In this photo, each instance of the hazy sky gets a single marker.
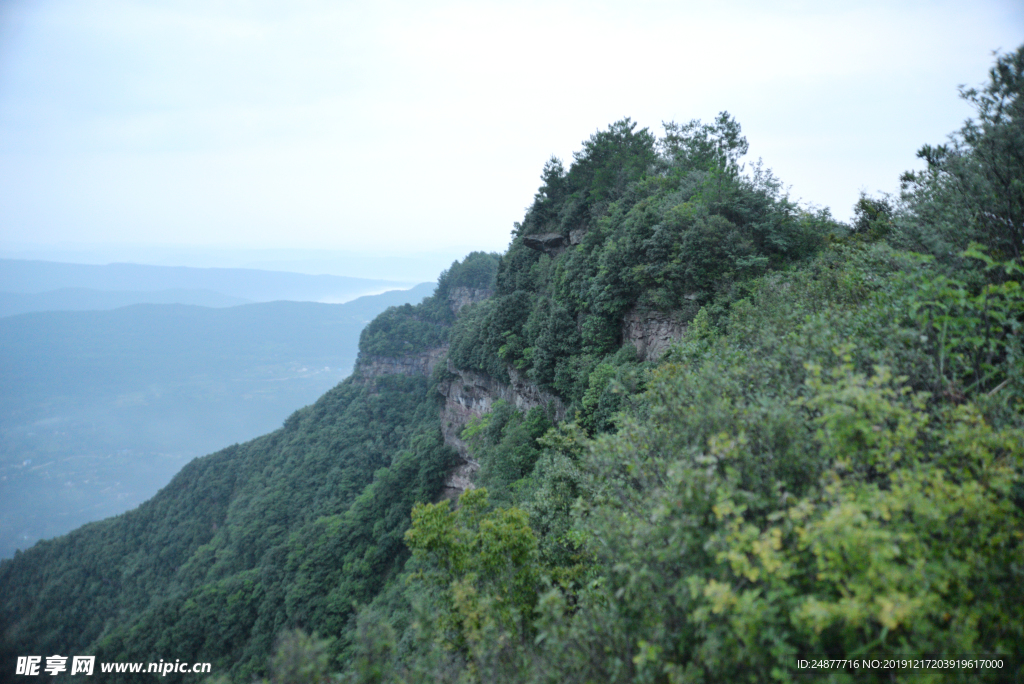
(397, 127)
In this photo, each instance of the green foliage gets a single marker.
(873, 217)
(603, 170)
(373, 652)
(505, 443)
(483, 567)
(973, 187)
(300, 659)
(780, 493)
(557, 484)
(975, 337)
(829, 462)
(608, 384)
(402, 330)
(908, 548)
(409, 329)
(476, 271)
(664, 225)
(711, 147)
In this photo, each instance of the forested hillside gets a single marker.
(251, 519)
(697, 433)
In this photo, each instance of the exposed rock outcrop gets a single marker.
(371, 367)
(551, 244)
(467, 395)
(459, 297)
(471, 394)
(576, 235)
(423, 363)
(651, 332)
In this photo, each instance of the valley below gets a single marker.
(99, 409)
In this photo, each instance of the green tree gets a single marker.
(484, 566)
(973, 186)
(706, 147)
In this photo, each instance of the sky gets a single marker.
(341, 133)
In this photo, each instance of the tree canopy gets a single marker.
(827, 461)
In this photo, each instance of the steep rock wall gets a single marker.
(470, 394)
(459, 297)
(370, 367)
(651, 332)
(373, 367)
(551, 244)
(467, 394)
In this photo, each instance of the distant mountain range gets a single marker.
(99, 409)
(85, 299)
(53, 286)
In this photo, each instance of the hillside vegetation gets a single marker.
(827, 462)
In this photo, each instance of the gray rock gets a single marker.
(467, 395)
(370, 367)
(551, 244)
(459, 297)
(651, 332)
(471, 394)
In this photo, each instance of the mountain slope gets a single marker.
(302, 522)
(230, 522)
(701, 434)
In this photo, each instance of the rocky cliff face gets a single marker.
(471, 394)
(370, 367)
(551, 244)
(467, 395)
(452, 418)
(459, 297)
(651, 332)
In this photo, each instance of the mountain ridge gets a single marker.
(780, 436)
(36, 277)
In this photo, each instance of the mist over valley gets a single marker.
(99, 409)
(719, 376)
